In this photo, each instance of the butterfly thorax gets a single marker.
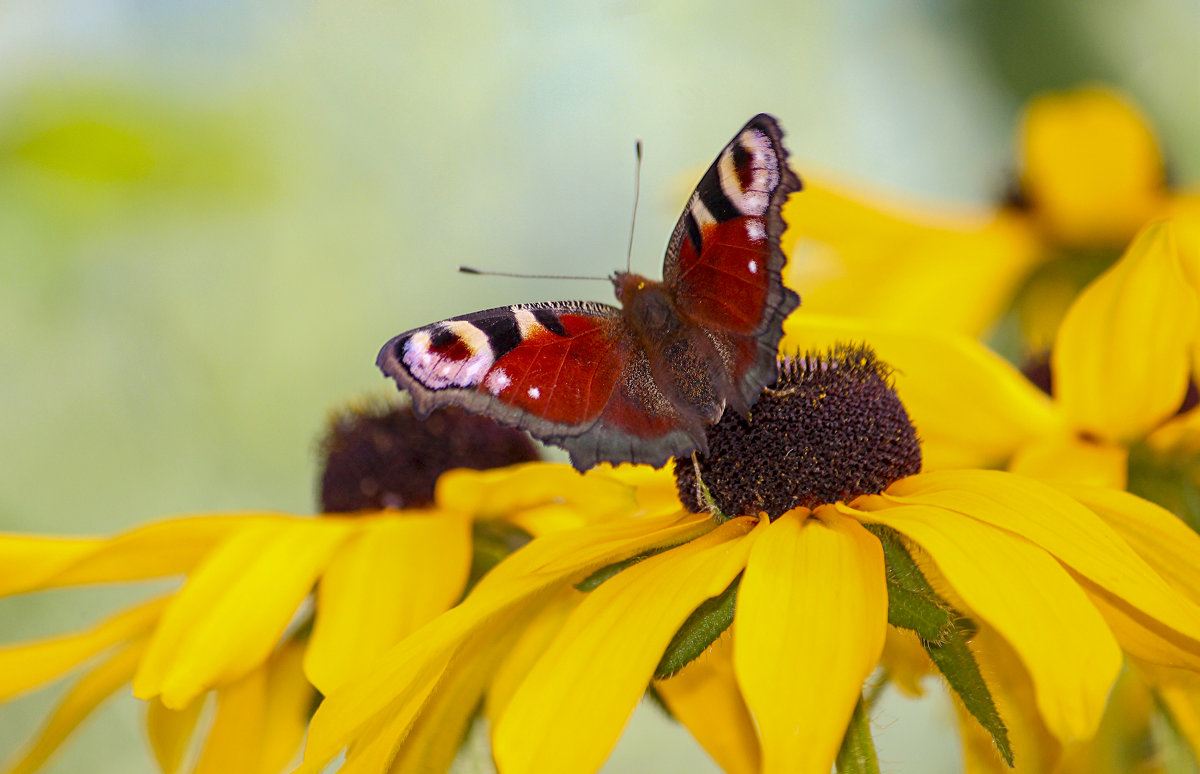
(685, 363)
(646, 305)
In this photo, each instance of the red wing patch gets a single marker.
(724, 262)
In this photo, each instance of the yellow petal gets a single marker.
(535, 637)
(1156, 534)
(83, 697)
(30, 664)
(436, 736)
(705, 698)
(1122, 358)
(1067, 458)
(969, 406)
(1068, 530)
(507, 492)
(233, 743)
(568, 713)
(1142, 637)
(261, 718)
(290, 701)
(159, 549)
(398, 745)
(396, 574)
(656, 490)
(931, 268)
(400, 683)
(230, 614)
(29, 560)
(1032, 601)
(1091, 166)
(170, 732)
(809, 628)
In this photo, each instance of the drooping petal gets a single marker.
(704, 696)
(1156, 534)
(1123, 355)
(438, 733)
(426, 740)
(1070, 459)
(536, 635)
(170, 732)
(230, 614)
(30, 664)
(1067, 529)
(383, 584)
(568, 713)
(159, 549)
(79, 702)
(1030, 599)
(932, 267)
(399, 685)
(289, 703)
(261, 718)
(233, 741)
(809, 628)
(1140, 636)
(970, 405)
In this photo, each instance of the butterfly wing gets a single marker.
(570, 373)
(724, 263)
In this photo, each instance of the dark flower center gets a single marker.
(382, 455)
(830, 428)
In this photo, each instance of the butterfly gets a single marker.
(641, 382)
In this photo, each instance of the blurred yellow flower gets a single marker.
(1119, 374)
(1091, 174)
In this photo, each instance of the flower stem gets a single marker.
(857, 755)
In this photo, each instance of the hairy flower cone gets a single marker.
(384, 456)
(830, 428)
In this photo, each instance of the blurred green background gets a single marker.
(212, 214)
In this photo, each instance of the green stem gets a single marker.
(857, 755)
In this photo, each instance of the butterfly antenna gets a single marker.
(488, 273)
(637, 190)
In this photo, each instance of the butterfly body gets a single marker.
(642, 382)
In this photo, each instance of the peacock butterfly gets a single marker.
(639, 383)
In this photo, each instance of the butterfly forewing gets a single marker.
(724, 261)
(509, 362)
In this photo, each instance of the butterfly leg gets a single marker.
(702, 493)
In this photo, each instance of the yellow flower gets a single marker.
(1090, 176)
(246, 623)
(819, 508)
